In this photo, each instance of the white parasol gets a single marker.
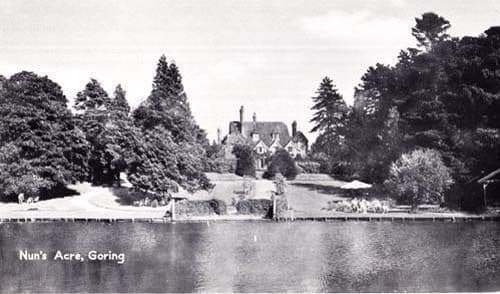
(356, 185)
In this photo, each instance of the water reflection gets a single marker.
(256, 257)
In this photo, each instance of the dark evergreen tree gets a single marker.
(245, 164)
(167, 109)
(330, 119)
(92, 97)
(93, 106)
(330, 109)
(119, 102)
(430, 29)
(445, 98)
(167, 105)
(281, 162)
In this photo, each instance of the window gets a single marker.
(255, 137)
(290, 149)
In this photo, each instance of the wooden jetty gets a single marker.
(329, 218)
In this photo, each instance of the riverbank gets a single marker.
(307, 196)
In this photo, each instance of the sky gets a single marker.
(269, 56)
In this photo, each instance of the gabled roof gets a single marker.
(259, 143)
(495, 175)
(266, 130)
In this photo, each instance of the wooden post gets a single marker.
(274, 207)
(172, 207)
(485, 185)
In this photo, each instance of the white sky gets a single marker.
(267, 55)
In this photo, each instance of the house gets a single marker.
(265, 137)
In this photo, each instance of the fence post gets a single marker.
(274, 207)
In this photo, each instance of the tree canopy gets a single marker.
(41, 150)
(165, 118)
(443, 95)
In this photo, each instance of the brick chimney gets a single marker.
(294, 128)
(242, 112)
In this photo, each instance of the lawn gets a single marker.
(309, 192)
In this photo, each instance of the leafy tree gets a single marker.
(41, 151)
(444, 97)
(419, 177)
(281, 162)
(245, 164)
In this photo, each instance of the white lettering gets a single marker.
(98, 256)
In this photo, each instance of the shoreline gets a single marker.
(400, 217)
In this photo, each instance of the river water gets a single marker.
(255, 257)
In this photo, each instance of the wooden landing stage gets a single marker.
(95, 220)
(399, 218)
(330, 218)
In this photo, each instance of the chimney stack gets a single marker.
(294, 128)
(242, 110)
(218, 136)
(254, 117)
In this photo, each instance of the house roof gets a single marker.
(266, 130)
(495, 175)
(299, 136)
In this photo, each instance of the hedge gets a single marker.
(309, 167)
(255, 206)
(200, 207)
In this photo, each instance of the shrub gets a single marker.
(245, 163)
(341, 170)
(218, 206)
(309, 167)
(200, 207)
(419, 177)
(221, 165)
(243, 206)
(281, 162)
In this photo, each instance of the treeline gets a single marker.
(442, 95)
(44, 146)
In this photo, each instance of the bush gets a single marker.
(221, 165)
(245, 163)
(218, 206)
(200, 207)
(341, 170)
(309, 167)
(466, 196)
(255, 206)
(281, 162)
(243, 206)
(419, 177)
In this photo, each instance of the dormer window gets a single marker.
(276, 136)
(255, 137)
